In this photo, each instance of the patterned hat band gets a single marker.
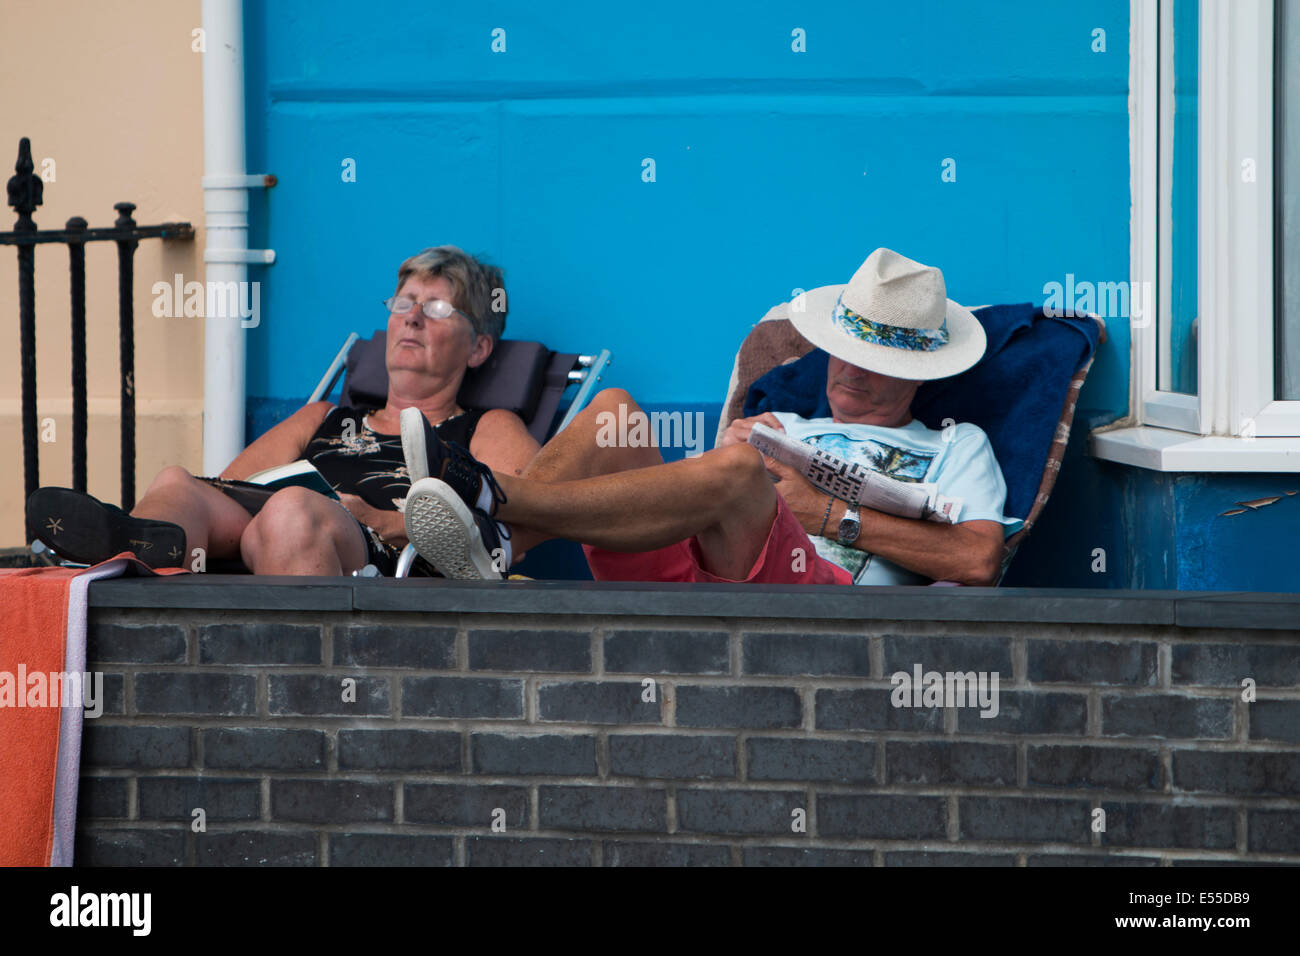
(893, 336)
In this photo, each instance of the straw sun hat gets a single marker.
(894, 318)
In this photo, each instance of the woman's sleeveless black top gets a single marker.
(358, 460)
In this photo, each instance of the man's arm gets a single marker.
(968, 553)
(282, 444)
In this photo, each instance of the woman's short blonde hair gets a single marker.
(478, 288)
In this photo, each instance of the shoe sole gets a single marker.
(414, 449)
(444, 532)
(80, 528)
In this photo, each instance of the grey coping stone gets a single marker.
(812, 602)
(225, 591)
(645, 599)
(1241, 610)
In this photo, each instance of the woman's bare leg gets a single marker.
(301, 532)
(211, 520)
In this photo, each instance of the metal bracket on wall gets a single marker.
(258, 257)
(255, 257)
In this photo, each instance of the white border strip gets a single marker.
(68, 774)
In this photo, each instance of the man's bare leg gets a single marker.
(211, 520)
(724, 499)
(574, 453)
(626, 499)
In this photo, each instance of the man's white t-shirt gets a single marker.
(958, 459)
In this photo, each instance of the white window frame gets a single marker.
(1233, 422)
(1154, 257)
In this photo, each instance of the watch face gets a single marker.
(849, 529)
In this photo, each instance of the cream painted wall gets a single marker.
(111, 91)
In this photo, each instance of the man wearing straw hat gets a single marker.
(720, 516)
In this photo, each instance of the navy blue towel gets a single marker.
(1015, 392)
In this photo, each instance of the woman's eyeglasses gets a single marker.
(433, 308)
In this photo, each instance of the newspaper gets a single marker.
(850, 482)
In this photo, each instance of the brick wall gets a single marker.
(538, 722)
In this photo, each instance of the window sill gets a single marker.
(1161, 449)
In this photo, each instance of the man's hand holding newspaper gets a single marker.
(850, 482)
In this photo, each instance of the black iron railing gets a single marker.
(25, 194)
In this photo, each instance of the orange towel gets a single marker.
(34, 630)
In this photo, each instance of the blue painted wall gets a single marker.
(1187, 532)
(774, 170)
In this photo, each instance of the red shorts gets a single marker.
(788, 557)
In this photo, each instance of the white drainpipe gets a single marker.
(225, 205)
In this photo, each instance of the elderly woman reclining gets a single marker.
(442, 321)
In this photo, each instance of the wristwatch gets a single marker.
(850, 526)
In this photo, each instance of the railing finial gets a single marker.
(25, 187)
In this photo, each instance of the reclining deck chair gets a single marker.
(526, 378)
(774, 342)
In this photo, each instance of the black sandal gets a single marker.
(85, 530)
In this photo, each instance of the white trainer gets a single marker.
(414, 447)
(460, 542)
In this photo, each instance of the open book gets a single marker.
(849, 481)
(301, 472)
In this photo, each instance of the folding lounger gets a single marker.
(526, 378)
(774, 342)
